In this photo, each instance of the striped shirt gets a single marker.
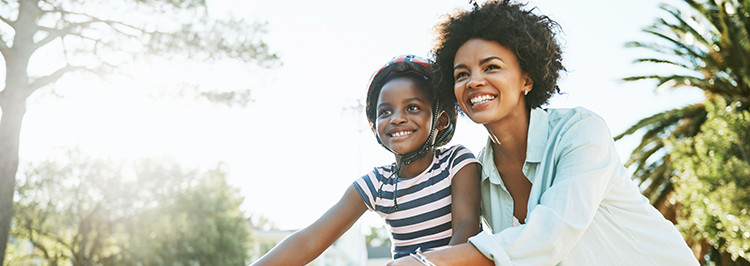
(423, 217)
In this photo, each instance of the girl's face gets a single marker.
(489, 83)
(404, 116)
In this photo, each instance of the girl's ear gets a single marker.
(372, 127)
(442, 121)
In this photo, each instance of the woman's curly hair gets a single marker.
(531, 37)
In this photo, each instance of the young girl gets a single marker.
(429, 197)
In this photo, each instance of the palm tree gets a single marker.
(707, 48)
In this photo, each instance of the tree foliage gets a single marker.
(713, 180)
(42, 41)
(88, 211)
(705, 46)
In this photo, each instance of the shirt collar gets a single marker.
(489, 171)
(537, 137)
(536, 141)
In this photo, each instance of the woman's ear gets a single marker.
(528, 83)
(442, 121)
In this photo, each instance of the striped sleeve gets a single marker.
(366, 188)
(460, 157)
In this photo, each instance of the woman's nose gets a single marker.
(475, 82)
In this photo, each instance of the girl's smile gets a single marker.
(401, 134)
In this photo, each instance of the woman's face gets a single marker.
(489, 83)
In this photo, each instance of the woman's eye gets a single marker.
(491, 67)
(461, 75)
(384, 112)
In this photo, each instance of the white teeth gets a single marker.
(481, 99)
(401, 133)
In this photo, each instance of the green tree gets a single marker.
(706, 47)
(66, 211)
(86, 211)
(713, 182)
(97, 36)
(199, 224)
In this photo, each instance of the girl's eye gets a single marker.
(413, 107)
(384, 112)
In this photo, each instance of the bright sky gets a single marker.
(298, 145)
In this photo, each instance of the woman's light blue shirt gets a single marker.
(583, 208)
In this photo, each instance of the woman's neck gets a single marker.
(416, 167)
(509, 137)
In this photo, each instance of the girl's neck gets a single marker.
(416, 167)
(509, 137)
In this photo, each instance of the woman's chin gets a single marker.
(480, 119)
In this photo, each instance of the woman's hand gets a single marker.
(405, 261)
(461, 254)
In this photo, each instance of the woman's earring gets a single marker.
(526, 92)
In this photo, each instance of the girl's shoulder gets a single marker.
(380, 172)
(456, 156)
(458, 148)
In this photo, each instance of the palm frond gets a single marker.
(678, 123)
(664, 61)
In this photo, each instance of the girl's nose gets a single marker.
(398, 118)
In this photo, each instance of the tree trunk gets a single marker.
(10, 129)
(13, 105)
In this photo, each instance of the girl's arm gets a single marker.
(465, 203)
(305, 245)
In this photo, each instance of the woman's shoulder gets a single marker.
(566, 114)
(579, 124)
(568, 117)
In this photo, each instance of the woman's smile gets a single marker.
(480, 99)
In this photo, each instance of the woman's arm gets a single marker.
(461, 254)
(305, 245)
(465, 203)
(585, 166)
